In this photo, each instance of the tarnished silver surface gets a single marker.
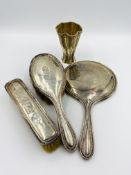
(48, 78)
(89, 82)
(69, 34)
(32, 111)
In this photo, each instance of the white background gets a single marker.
(27, 28)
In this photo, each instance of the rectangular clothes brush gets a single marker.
(34, 114)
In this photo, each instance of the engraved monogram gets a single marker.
(25, 102)
(47, 74)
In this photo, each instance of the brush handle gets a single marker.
(86, 143)
(67, 133)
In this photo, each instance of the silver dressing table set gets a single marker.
(87, 81)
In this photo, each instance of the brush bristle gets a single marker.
(53, 146)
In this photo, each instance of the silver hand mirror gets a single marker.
(89, 82)
(48, 78)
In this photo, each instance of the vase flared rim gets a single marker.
(72, 25)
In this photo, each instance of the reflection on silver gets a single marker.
(69, 34)
(33, 113)
(48, 78)
(89, 82)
